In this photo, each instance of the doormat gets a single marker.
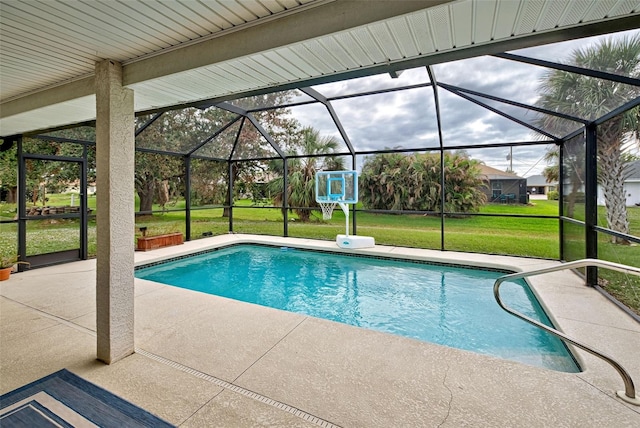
(63, 399)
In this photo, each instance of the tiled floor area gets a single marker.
(208, 361)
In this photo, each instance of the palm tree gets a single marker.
(396, 181)
(574, 171)
(552, 172)
(302, 171)
(589, 97)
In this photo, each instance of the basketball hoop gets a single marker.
(327, 209)
(336, 188)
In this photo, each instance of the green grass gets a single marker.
(487, 234)
(625, 288)
(490, 234)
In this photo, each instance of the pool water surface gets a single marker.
(443, 304)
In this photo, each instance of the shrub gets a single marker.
(394, 181)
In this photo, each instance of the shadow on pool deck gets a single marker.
(209, 361)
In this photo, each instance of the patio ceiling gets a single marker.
(179, 51)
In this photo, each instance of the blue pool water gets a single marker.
(441, 304)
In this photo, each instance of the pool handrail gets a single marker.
(629, 394)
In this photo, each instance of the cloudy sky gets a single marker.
(407, 118)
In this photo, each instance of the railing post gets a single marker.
(230, 196)
(561, 151)
(22, 203)
(285, 199)
(187, 197)
(353, 207)
(591, 201)
(84, 215)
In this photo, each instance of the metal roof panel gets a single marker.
(76, 34)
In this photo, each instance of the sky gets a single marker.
(407, 119)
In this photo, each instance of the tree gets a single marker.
(590, 97)
(166, 133)
(151, 171)
(189, 130)
(574, 171)
(9, 173)
(394, 181)
(302, 171)
(208, 182)
(251, 144)
(552, 173)
(159, 176)
(52, 176)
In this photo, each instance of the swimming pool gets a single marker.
(444, 304)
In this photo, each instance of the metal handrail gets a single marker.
(629, 394)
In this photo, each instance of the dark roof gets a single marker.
(496, 174)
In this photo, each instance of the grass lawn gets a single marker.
(625, 288)
(491, 233)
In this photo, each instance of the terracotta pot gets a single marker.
(5, 273)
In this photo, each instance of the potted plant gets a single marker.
(6, 266)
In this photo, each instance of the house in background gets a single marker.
(538, 185)
(505, 187)
(631, 185)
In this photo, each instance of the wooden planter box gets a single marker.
(146, 243)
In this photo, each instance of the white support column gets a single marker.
(115, 144)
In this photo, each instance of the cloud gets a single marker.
(407, 118)
(494, 76)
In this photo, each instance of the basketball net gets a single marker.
(327, 209)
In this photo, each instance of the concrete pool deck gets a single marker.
(204, 360)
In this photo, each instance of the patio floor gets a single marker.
(204, 360)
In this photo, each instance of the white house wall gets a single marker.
(631, 190)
